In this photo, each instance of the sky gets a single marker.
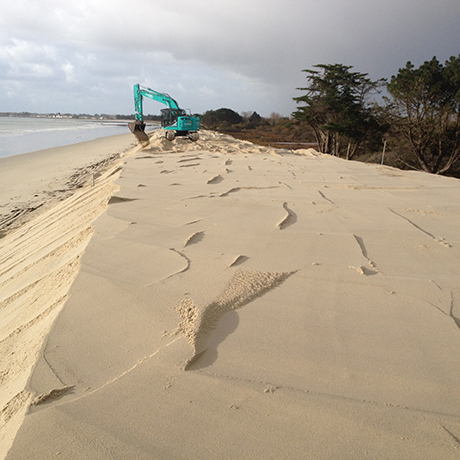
(84, 56)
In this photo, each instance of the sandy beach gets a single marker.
(221, 300)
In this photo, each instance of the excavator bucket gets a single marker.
(138, 129)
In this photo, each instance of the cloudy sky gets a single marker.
(83, 56)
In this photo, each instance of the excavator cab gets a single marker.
(169, 116)
(179, 123)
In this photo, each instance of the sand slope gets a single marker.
(244, 302)
(39, 261)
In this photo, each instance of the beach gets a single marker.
(220, 299)
(37, 181)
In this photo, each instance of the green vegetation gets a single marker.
(336, 108)
(424, 111)
(254, 128)
(221, 118)
(418, 122)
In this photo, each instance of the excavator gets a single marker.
(175, 121)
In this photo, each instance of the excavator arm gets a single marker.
(141, 92)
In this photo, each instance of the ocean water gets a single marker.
(23, 135)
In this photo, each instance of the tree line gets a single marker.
(419, 117)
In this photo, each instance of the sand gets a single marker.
(33, 182)
(49, 198)
(222, 300)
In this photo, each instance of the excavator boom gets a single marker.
(141, 92)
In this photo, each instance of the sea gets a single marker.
(28, 134)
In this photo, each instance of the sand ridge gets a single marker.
(236, 301)
(38, 263)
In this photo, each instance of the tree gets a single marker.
(219, 116)
(336, 107)
(254, 120)
(425, 110)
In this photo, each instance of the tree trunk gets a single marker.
(326, 144)
(337, 144)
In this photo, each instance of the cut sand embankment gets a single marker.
(237, 301)
(40, 259)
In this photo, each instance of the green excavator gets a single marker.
(175, 121)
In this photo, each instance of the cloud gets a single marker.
(68, 70)
(243, 54)
(24, 60)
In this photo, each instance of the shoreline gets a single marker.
(35, 181)
(34, 134)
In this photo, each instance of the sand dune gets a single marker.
(235, 301)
